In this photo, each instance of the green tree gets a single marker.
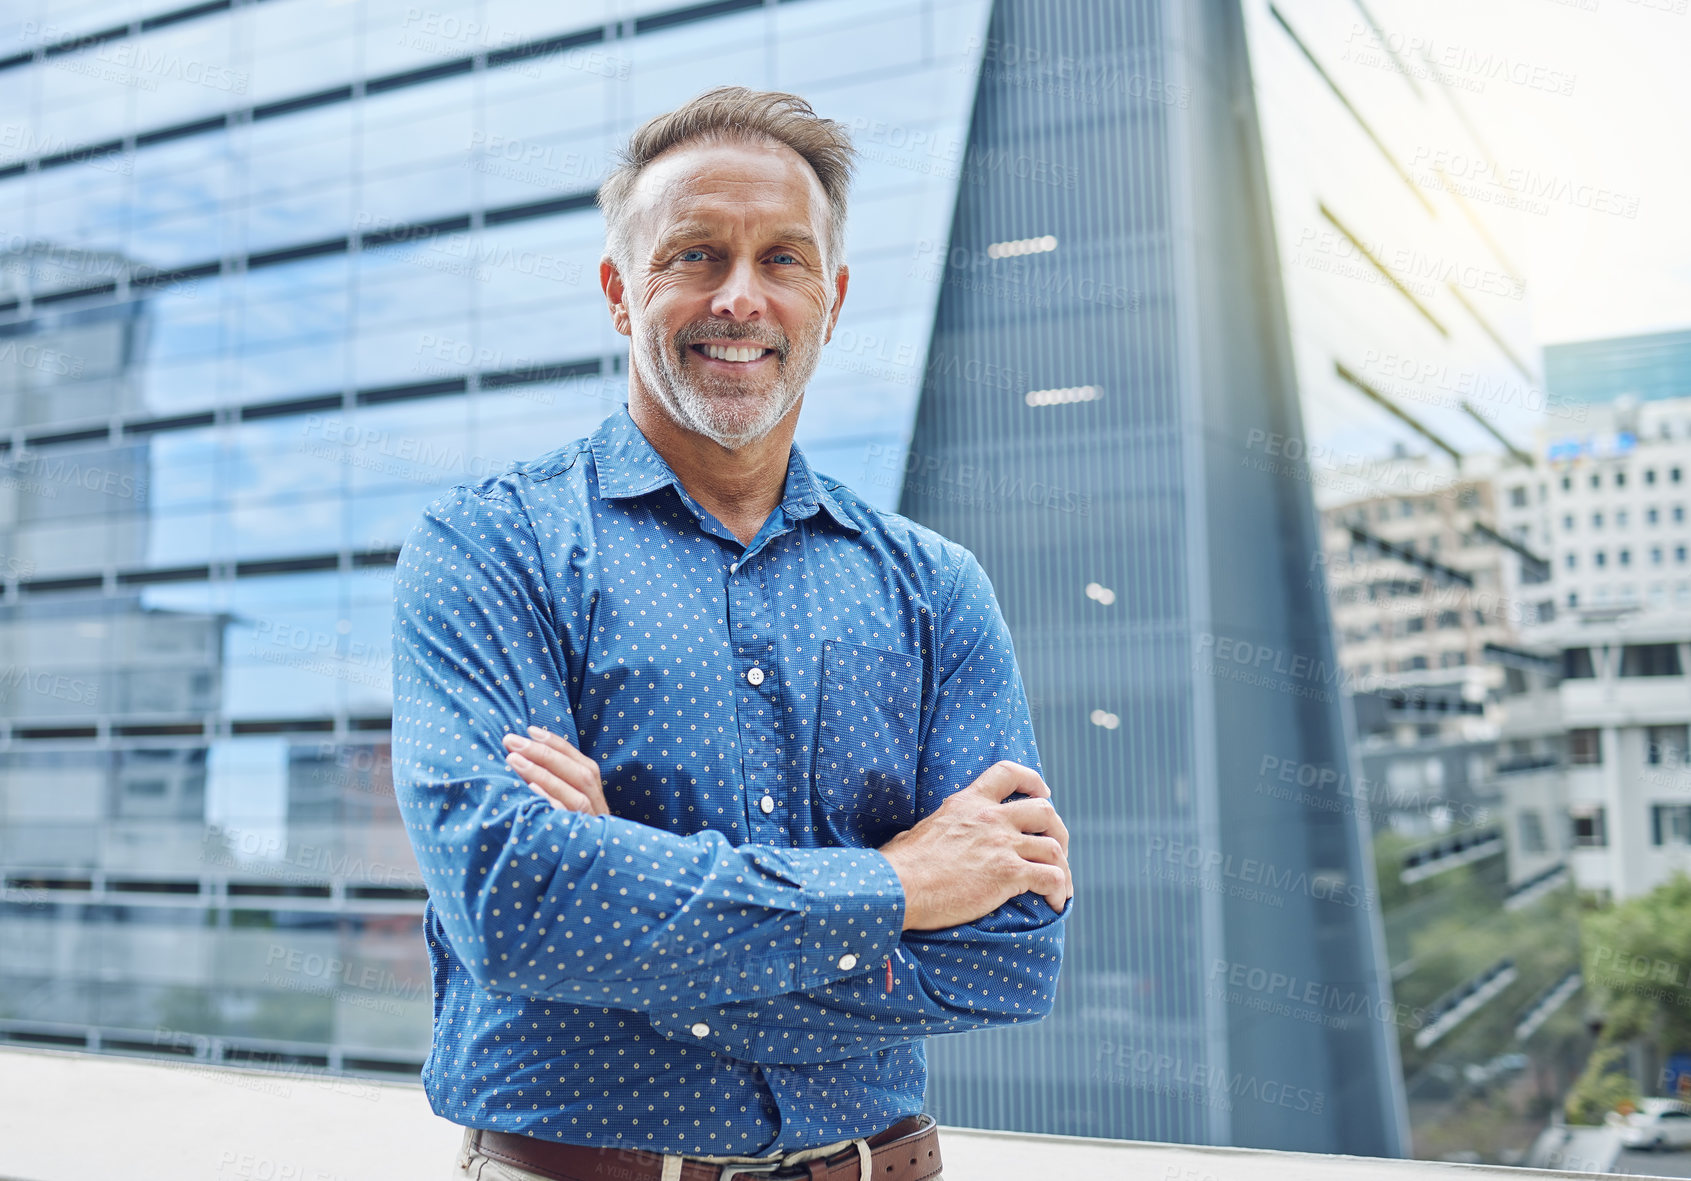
(1638, 967)
(1603, 1087)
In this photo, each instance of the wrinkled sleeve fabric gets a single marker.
(537, 901)
(999, 970)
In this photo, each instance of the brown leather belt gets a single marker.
(907, 1151)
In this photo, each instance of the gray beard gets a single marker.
(717, 407)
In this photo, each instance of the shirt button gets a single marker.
(767, 804)
(755, 676)
(847, 963)
(700, 1029)
(733, 566)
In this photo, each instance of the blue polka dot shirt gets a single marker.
(718, 967)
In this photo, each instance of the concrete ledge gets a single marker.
(75, 1117)
(65, 1117)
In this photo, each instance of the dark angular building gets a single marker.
(1155, 580)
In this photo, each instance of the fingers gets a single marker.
(1004, 779)
(1039, 816)
(557, 770)
(558, 744)
(1042, 852)
(549, 787)
(1040, 849)
(1050, 882)
(1044, 843)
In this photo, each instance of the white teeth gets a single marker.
(719, 352)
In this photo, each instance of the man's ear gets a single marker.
(616, 295)
(840, 281)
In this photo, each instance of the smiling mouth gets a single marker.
(733, 354)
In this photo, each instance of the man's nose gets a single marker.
(741, 295)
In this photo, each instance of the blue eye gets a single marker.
(694, 251)
(782, 255)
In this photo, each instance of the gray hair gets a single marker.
(722, 115)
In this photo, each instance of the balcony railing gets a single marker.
(1463, 848)
(72, 1115)
(1527, 763)
(1546, 881)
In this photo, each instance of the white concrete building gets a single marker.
(1608, 505)
(1594, 769)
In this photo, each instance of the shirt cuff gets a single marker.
(853, 912)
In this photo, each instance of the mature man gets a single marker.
(722, 781)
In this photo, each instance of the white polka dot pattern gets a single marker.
(718, 967)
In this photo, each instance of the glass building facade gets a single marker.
(1648, 368)
(277, 272)
(1410, 319)
(1145, 556)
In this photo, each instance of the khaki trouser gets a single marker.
(473, 1165)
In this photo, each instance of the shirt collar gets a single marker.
(628, 466)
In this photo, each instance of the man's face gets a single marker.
(729, 301)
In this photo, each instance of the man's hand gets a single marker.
(1010, 848)
(977, 852)
(556, 771)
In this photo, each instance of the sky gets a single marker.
(1625, 127)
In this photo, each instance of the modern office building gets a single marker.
(1409, 304)
(278, 272)
(1648, 368)
(1144, 569)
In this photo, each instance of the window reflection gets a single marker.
(193, 750)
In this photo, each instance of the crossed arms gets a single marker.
(763, 953)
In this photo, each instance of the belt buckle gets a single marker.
(729, 1172)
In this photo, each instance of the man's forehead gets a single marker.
(694, 179)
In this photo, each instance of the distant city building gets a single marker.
(1649, 367)
(1608, 507)
(1420, 585)
(1597, 780)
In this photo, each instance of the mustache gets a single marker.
(748, 334)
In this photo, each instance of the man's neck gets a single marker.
(739, 488)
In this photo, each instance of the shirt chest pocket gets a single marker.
(867, 738)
